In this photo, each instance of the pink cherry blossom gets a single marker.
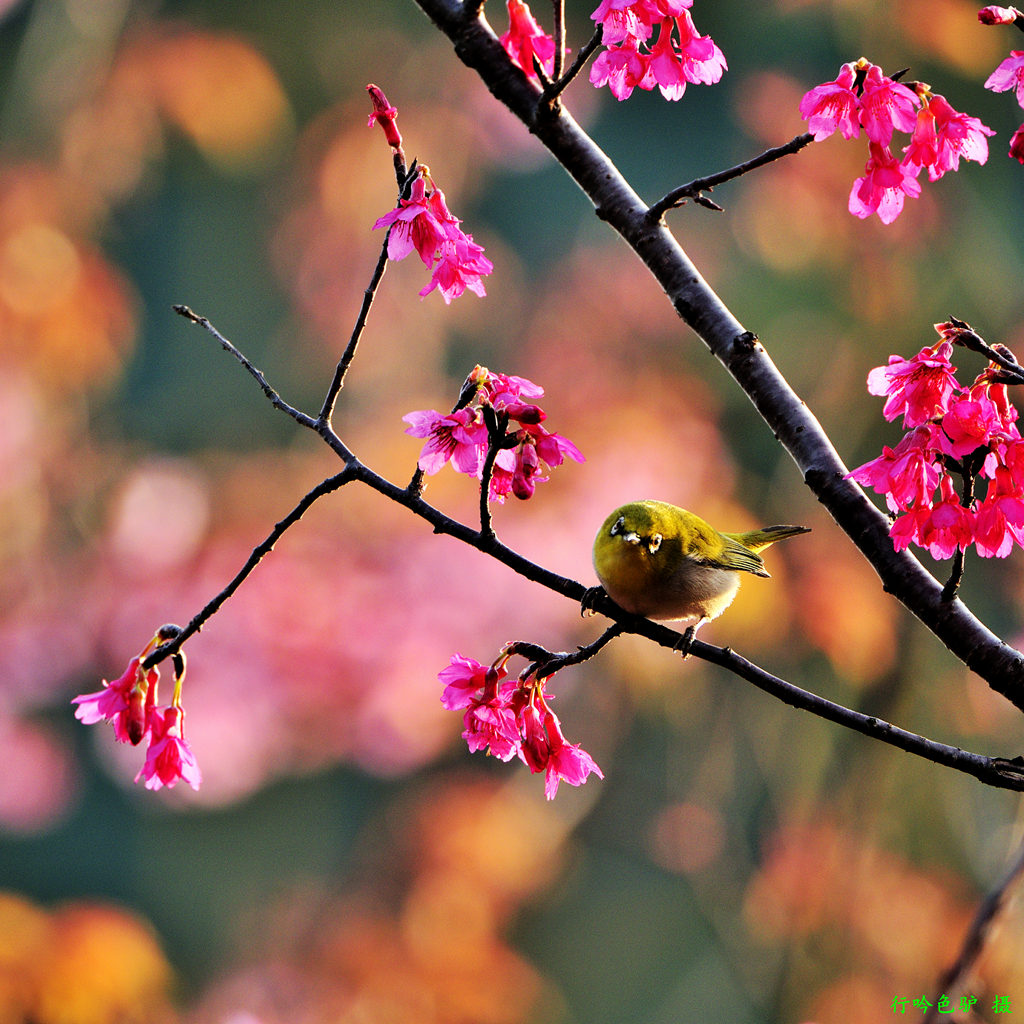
(526, 41)
(467, 680)
(459, 436)
(908, 474)
(957, 135)
(169, 757)
(545, 749)
(414, 225)
(680, 55)
(622, 68)
(883, 187)
(1009, 75)
(886, 105)
(919, 388)
(833, 106)
(460, 265)
(969, 423)
(999, 519)
(948, 525)
(121, 702)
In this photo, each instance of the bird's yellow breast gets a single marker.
(653, 576)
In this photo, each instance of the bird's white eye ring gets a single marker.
(617, 526)
(654, 543)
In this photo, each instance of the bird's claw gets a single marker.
(590, 598)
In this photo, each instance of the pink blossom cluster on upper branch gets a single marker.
(862, 96)
(648, 44)
(970, 431)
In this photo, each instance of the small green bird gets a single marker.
(660, 561)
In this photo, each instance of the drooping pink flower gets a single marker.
(957, 135)
(461, 264)
(969, 423)
(919, 388)
(423, 222)
(518, 470)
(908, 474)
(993, 15)
(948, 525)
(169, 757)
(622, 68)
(619, 21)
(886, 105)
(1009, 75)
(680, 55)
(467, 680)
(833, 106)
(883, 187)
(999, 519)
(460, 436)
(492, 726)
(526, 41)
(545, 749)
(690, 58)
(121, 702)
(414, 225)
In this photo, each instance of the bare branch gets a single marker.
(275, 399)
(693, 190)
(174, 644)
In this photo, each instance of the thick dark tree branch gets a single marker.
(739, 351)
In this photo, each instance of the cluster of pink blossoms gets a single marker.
(972, 431)
(463, 437)
(863, 97)
(423, 222)
(1009, 74)
(511, 717)
(678, 56)
(129, 702)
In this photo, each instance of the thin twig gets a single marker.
(999, 354)
(954, 977)
(546, 663)
(556, 88)
(405, 183)
(340, 371)
(693, 190)
(172, 646)
(275, 399)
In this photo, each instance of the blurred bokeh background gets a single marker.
(346, 859)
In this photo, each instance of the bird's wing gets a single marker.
(738, 558)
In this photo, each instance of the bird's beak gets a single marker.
(632, 537)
